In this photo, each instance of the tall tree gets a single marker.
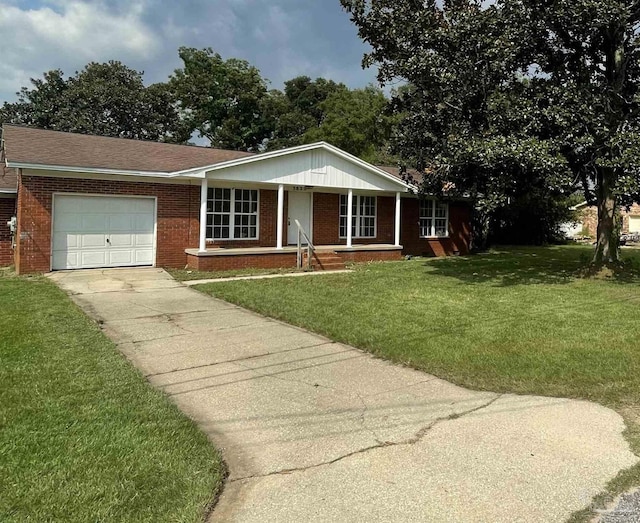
(221, 100)
(298, 109)
(356, 121)
(544, 88)
(108, 99)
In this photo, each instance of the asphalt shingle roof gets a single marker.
(44, 147)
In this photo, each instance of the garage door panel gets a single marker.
(144, 222)
(634, 224)
(66, 222)
(122, 223)
(143, 240)
(143, 257)
(65, 241)
(122, 240)
(102, 231)
(93, 258)
(121, 257)
(92, 241)
(92, 222)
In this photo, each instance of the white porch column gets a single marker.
(204, 193)
(350, 219)
(280, 233)
(398, 219)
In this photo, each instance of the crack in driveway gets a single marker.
(380, 445)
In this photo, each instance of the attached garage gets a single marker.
(103, 231)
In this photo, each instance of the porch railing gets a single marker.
(310, 248)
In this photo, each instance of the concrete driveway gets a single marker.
(318, 431)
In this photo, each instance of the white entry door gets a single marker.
(102, 231)
(299, 209)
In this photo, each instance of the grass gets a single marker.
(518, 320)
(83, 437)
(192, 275)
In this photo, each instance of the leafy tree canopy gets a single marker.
(355, 121)
(514, 94)
(108, 99)
(298, 109)
(221, 100)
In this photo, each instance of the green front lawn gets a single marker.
(513, 320)
(83, 437)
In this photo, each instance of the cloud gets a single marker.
(283, 38)
(67, 35)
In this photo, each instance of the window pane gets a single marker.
(441, 210)
(426, 208)
(426, 225)
(441, 227)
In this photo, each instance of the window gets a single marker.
(364, 216)
(232, 214)
(434, 219)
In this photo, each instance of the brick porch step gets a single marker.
(326, 261)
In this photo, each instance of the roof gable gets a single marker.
(314, 165)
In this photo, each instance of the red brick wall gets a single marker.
(326, 220)
(249, 261)
(7, 210)
(459, 240)
(178, 211)
(369, 256)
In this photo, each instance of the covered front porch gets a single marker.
(255, 212)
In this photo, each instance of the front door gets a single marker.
(299, 209)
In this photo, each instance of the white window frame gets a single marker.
(357, 216)
(232, 216)
(433, 217)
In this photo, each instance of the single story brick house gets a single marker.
(82, 201)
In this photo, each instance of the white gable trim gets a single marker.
(200, 172)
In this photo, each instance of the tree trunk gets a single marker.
(608, 242)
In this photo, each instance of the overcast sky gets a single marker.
(283, 38)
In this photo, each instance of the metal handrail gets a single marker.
(310, 248)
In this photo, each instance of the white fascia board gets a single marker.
(8, 191)
(200, 172)
(87, 170)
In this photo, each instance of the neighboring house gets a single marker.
(88, 201)
(588, 219)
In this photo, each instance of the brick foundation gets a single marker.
(371, 256)
(7, 210)
(246, 261)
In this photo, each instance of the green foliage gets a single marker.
(107, 99)
(298, 109)
(557, 81)
(221, 100)
(355, 121)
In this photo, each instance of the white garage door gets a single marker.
(634, 223)
(102, 231)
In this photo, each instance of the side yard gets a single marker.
(83, 437)
(513, 320)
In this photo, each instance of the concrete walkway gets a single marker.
(318, 431)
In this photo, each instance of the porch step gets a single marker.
(326, 261)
